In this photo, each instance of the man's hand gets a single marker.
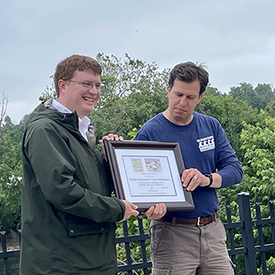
(109, 137)
(130, 210)
(192, 178)
(157, 211)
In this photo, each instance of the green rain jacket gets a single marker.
(68, 216)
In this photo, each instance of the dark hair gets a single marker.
(189, 72)
(66, 68)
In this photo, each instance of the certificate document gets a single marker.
(147, 173)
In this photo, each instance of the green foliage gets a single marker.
(132, 92)
(230, 112)
(270, 264)
(13, 266)
(258, 143)
(10, 175)
(252, 136)
(133, 133)
(49, 92)
(135, 247)
(266, 232)
(257, 98)
(264, 94)
(270, 108)
(258, 147)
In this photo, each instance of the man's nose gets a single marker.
(183, 101)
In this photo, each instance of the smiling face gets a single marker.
(76, 97)
(183, 98)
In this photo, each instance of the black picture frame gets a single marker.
(148, 172)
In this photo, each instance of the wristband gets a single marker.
(211, 179)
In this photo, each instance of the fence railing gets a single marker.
(251, 242)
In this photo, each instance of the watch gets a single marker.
(211, 179)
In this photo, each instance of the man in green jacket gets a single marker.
(68, 215)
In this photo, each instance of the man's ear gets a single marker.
(200, 97)
(61, 85)
(168, 90)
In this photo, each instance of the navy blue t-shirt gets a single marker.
(204, 146)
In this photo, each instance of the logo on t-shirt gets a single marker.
(206, 144)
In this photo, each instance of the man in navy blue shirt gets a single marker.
(193, 242)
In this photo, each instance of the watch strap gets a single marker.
(211, 179)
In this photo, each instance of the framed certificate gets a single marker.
(148, 172)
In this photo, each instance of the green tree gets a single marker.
(245, 92)
(270, 108)
(257, 98)
(258, 143)
(133, 91)
(49, 92)
(259, 147)
(230, 112)
(10, 174)
(265, 94)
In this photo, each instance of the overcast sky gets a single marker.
(235, 39)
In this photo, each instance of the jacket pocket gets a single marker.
(86, 227)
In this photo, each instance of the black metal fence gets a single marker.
(251, 242)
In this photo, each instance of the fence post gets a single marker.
(247, 233)
(4, 248)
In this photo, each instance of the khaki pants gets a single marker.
(183, 249)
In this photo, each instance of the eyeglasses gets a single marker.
(87, 84)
